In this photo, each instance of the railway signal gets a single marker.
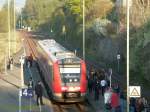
(118, 60)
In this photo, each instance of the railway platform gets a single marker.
(98, 105)
(13, 78)
(10, 84)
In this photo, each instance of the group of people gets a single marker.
(114, 99)
(138, 104)
(38, 86)
(38, 90)
(98, 82)
(95, 82)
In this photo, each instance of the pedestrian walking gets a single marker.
(117, 88)
(107, 99)
(145, 104)
(91, 72)
(30, 60)
(103, 85)
(39, 93)
(8, 65)
(94, 79)
(90, 80)
(28, 64)
(133, 105)
(97, 89)
(115, 102)
(90, 85)
(11, 60)
(122, 101)
(139, 105)
(11, 63)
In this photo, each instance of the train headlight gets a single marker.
(75, 80)
(70, 80)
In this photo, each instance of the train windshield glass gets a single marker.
(70, 73)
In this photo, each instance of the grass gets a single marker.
(4, 43)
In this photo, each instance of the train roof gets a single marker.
(55, 51)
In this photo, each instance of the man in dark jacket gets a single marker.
(97, 87)
(39, 92)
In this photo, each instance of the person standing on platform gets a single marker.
(8, 65)
(90, 85)
(97, 88)
(90, 81)
(132, 104)
(103, 85)
(117, 88)
(139, 105)
(39, 92)
(11, 63)
(122, 101)
(31, 60)
(115, 102)
(107, 99)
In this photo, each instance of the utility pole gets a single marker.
(8, 27)
(22, 76)
(15, 26)
(22, 63)
(83, 5)
(22, 80)
(21, 20)
(128, 9)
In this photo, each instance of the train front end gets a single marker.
(70, 80)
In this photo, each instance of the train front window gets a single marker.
(70, 74)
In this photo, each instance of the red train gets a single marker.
(63, 71)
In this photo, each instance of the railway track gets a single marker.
(59, 107)
(76, 107)
(115, 76)
(73, 107)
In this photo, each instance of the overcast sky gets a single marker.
(19, 3)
